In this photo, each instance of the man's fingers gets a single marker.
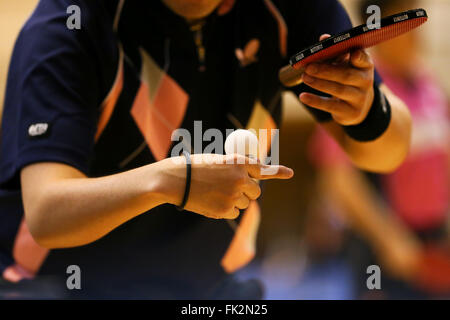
(361, 59)
(344, 92)
(252, 189)
(266, 172)
(233, 214)
(332, 105)
(259, 171)
(338, 73)
(342, 59)
(275, 172)
(243, 202)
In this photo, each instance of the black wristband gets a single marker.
(188, 181)
(376, 122)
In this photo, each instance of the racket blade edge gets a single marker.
(363, 41)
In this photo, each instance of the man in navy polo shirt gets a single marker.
(85, 164)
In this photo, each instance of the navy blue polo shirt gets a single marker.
(104, 99)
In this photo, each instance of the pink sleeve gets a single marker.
(324, 151)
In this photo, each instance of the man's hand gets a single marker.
(69, 209)
(349, 82)
(220, 185)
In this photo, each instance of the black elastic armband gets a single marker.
(376, 122)
(188, 180)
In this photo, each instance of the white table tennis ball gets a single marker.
(243, 142)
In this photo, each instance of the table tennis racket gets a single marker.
(360, 37)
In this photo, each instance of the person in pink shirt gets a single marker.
(419, 190)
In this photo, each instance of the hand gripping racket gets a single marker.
(360, 37)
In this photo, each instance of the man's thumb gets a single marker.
(266, 172)
(360, 59)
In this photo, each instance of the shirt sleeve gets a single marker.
(50, 111)
(307, 21)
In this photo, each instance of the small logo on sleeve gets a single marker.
(248, 55)
(38, 129)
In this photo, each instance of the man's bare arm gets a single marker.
(387, 152)
(64, 208)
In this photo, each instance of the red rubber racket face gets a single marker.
(360, 38)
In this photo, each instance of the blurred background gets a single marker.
(321, 230)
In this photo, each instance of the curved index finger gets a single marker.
(343, 74)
